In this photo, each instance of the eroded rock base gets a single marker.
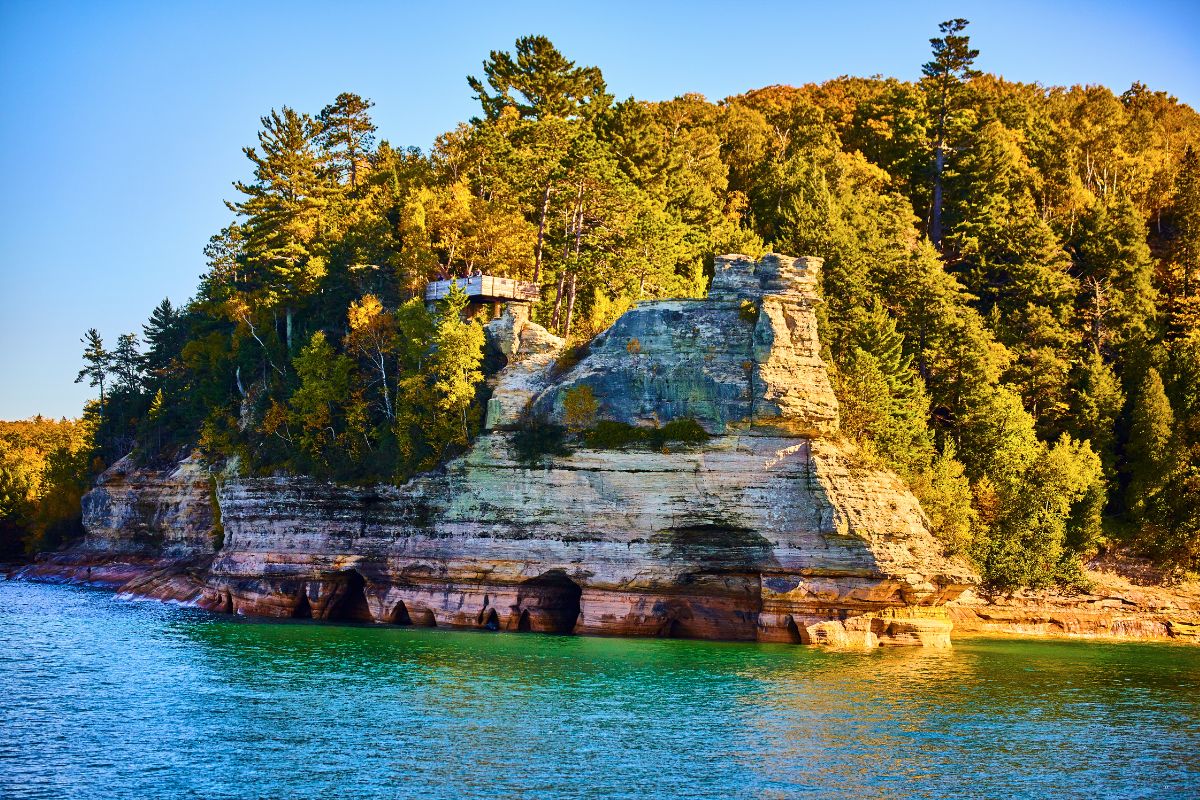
(551, 603)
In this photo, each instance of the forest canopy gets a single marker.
(1011, 313)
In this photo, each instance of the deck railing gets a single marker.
(486, 287)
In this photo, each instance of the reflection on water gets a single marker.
(104, 698)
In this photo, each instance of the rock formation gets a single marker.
(771, 529)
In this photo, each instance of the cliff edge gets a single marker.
(767, 527)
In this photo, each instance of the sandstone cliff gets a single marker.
(770, 529)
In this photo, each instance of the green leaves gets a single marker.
(1066, 270)
(539, 82)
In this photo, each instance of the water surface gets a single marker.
(105, 698)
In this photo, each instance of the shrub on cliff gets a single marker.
(609, 435)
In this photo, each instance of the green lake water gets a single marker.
(106, 698)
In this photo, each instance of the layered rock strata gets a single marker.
(769, 530)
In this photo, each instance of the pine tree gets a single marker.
(347, 134)
(1186, 210)
(1097, 404)
(1115, 271)
(165, 335)
(284, 211)
(539, 82)
(1149, 451)
(945, 77)
(127, 363)
(97, 363)
(877, 335)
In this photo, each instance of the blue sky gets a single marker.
(123, 122)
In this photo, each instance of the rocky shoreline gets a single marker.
(1114, 610)
(768, 527)
(1126, 599)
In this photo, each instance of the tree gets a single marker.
(127, 363)
(884, 404)
(538, 83)
(945, 77)
(347, 134)
(945, 495)
(44, 471)
(165, 335)
(324, 388)
(97, 363)
(372, 335)
(1115, 270)
(1097, 403)
(454, 368)
(1185, 245)
(284, 212)
(1149, 451)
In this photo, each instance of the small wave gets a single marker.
(131, 597)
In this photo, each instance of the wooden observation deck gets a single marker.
(486, 289)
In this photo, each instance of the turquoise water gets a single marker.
(107, 698)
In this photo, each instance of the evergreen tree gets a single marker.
(284, 212)
(1115, 270)
(877, 335)
(347, 135)
(97, 363)
(127, 363)
(1098, 402)
(165, 335)
(1149, 451)
(1186, 211)
(945, 79)
(539, 82)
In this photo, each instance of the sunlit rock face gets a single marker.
(164, 513)
(747, 358)
(769, 530)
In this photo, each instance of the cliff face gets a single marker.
(769, 530)
(149, 513)
(148, 530)
(746, 359)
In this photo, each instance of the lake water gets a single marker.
(106, 698)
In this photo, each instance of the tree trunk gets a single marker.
(558, 296)
(350, 152)
(578, 223)
(570, 305)
(387, 396)
(541, 235)
(288, 316)
(935, 217)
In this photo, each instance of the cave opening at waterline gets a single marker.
(350, 601)
(556, 596)
(302, 610)
(399, 615)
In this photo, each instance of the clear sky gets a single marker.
(122, 123)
